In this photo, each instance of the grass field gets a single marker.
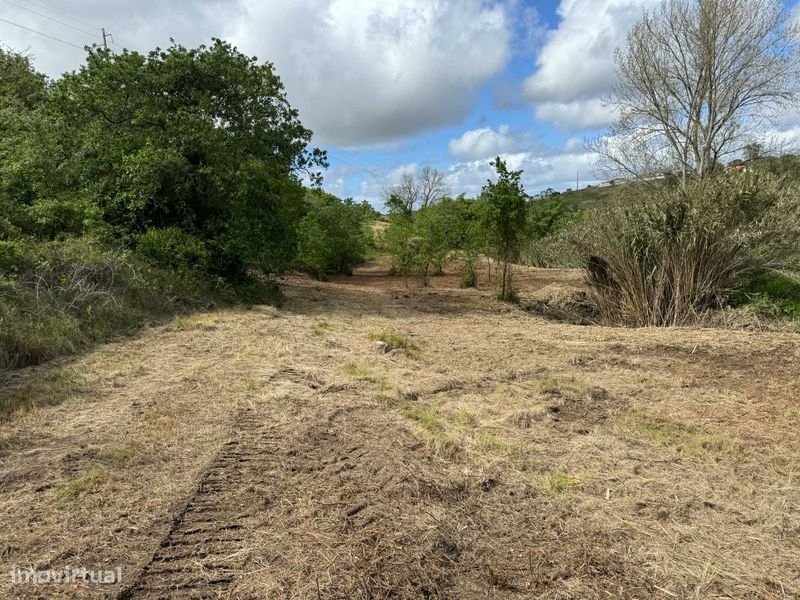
(274, 453)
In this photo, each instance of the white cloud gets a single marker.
(365, 71)
(556, 169)
(142, 25)
(484, 143)
(541, 169)
(576, 115)
(576, 65)
(359, 71)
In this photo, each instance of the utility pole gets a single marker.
(577, 181)
(105, 35)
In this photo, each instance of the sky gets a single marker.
(390, 86)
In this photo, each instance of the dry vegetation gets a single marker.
(272, 453)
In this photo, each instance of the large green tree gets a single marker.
(203, 140)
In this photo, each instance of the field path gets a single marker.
(272, 453)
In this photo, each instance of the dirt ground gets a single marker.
(273, 453)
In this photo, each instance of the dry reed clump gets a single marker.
(666, 256)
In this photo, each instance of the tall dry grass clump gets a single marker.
(661, 257)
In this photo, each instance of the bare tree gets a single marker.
(424, 190)
(432, 187)
(696, 79)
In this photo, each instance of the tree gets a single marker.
(695, 80)
(431, 186)
(504, 221)
(424, 190)
(547, 215)
(19, 82)
(753, 151)
(199, 139)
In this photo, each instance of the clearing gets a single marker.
(272, 453)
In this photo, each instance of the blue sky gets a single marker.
(390, 86)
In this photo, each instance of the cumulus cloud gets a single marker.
(359, 71)
(556, 169)
(543, 168)
(142, 25)
(575, 68)
(484, 142)
(364, 71)
(576, 115)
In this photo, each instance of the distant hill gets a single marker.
(787, 165)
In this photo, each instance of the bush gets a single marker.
(662, 259)
(332, 236)
(14, 256)
(67, 295)
(771, 292)
(172, 248)
(555, 251)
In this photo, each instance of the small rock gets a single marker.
(382, 347)
(595, 392)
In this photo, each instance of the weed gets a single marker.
(548, 384)
(360, 372)
(463, 419)
(403, 343)
(499, 444)
(320, 327)
(195, 323)
(72, 493)
(120, 456)
(435, 429)
(771, 293)
(673, 434)
(560, 482)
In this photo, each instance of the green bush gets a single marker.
(14, 257)
(29, 337)
(771, 292)
(555, 251)
(172, 248)
(67, 295)
(58, 218)
(332, 236)
(665, 257)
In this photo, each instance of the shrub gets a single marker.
(662, 259)
(14, 256)
(172, 248)
(60, 217)
(554, 251)
(332, 237)
(772, 292)
(66, 295)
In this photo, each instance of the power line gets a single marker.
(63, 14)
(354, 166)
(49, 17)
(381, 164)
(126, 46)
(47, 35)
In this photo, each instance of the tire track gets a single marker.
(207, 544)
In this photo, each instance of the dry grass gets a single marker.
(515, 457)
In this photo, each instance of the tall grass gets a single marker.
(664, 257)
(59, 297)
